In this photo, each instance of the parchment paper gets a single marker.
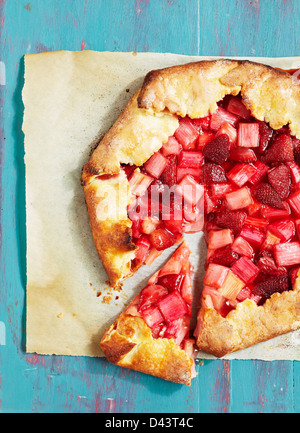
(71, 99)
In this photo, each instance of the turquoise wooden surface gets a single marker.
(30, 383)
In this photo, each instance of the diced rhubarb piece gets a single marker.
(152, 316)
(287, 254)
(220, 238)
(219, 189)
(182, 172)
(294, 274)
(253, 236)
(243, 154)
(190, 159)
(162, 239)
(178, 329)
(275, 284)
(245, 293)
(215, 275)
(190, 190)
(233, 220)
(237, 107)
(271, 214)
(257, 223)
(221, 116)
(153, 254)
(213, 173)
(285, 230)
(144, 246)
(212, 298)
(156, 165)
(217, 150)
(248, 135)
(139, 183)
(149, 224)
(295, 171)
(270, 241)
(172, 306)
(231, 286)
(171, 147)
(194, 227)
(242, 247)
(239, 199)
(186, 289)
(297, 223)
(150, 295)
(280, 150)
(261, 171)
(177, 261)
(204, 138)
(294, 202)
(203, 123)
(245, 269)
(187, 134)
(240, 174)
(230, 131)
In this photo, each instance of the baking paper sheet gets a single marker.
(71, 99)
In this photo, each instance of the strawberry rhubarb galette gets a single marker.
(153, 334)
(212, 146)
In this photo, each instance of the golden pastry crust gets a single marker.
(129, 343)
(249, 324)
(151, 117)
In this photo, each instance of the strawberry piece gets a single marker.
(156, 165)
(266, 194)
(172, 306)
(187, 134)
(275, 284)
(150, 295)
(189, 159)
(218, 149)
(287, 254)
(231, 220)
(245, 269)
(162, 239)
(168, 176)
(267, 265)
(148, 225)
(143, 245)
(230, 131)
(213, 173)
(239, 199)
(280, 150)
(265, 135)
(203, 123)
(221, 116)
(237, 107)
(280, 179)
(248, 135)
(240, 174)
(224, 257)
(297, 153)
(152, 316)
(171, 147)
(171, 282)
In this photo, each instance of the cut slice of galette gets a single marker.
(152, 335)
(210, 146)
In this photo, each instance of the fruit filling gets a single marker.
(165, 303)
(237, 179)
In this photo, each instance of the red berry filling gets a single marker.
(239, 180)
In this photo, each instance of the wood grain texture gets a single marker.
(31, 383)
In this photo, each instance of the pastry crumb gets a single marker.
(107, 300)
(60, 315)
